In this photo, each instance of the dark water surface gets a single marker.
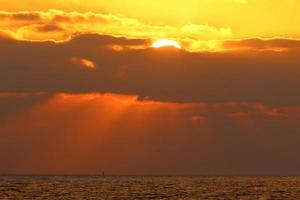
(148, 187)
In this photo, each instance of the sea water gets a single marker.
(148, 187)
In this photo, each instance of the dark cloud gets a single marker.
(267, 77)
(49, 28)
(21, 16)
(11, 104)
(5, 35)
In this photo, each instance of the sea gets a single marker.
(149, 187)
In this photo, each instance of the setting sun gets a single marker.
(166, 43)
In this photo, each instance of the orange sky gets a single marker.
(82, 89)
(91, 133)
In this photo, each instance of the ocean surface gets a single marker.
(148, 187)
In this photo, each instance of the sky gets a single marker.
(83, 90)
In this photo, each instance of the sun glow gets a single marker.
(166, 43)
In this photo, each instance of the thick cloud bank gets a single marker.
(97, 63)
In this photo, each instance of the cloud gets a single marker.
(277, 44)
(173, 75)
(49, 28)
(56, 25)
(20, 16)
(4, 35)
(63, 25)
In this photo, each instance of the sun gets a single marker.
(166, 43)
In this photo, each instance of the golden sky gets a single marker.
(200, 25)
